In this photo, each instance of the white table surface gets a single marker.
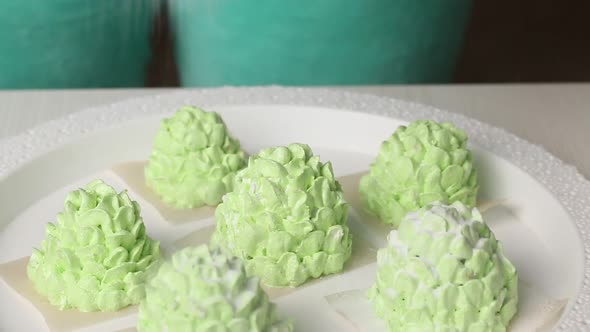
(556, 116)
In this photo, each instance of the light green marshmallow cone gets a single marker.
(204, 289)
(286, 217)
(194, 159)
(443, 270)
(421, 163)
(97, 256)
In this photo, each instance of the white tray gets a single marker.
(543, 217)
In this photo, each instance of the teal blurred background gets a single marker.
(74, 43)
(310, 42)
(134, 43)
(91, 43)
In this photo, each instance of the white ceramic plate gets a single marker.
(542, 212)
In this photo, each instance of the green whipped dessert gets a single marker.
(443, 270)
(286, 217)
(421, 163)
(204, 289)
(97, 256)
(194, 159)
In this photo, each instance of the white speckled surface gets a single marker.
(556, 116)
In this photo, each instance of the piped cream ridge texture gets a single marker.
(194, 159)
(97, 256)
(204, 289)
(421, 163)
(443, 270)
(286, 217)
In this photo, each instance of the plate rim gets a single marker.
(562, 180)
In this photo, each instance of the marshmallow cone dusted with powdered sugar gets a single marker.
(205, 289)
(421, 163)
(443, 270)
(286, 217)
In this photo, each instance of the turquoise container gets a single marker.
(74, 43)
(317, 42)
